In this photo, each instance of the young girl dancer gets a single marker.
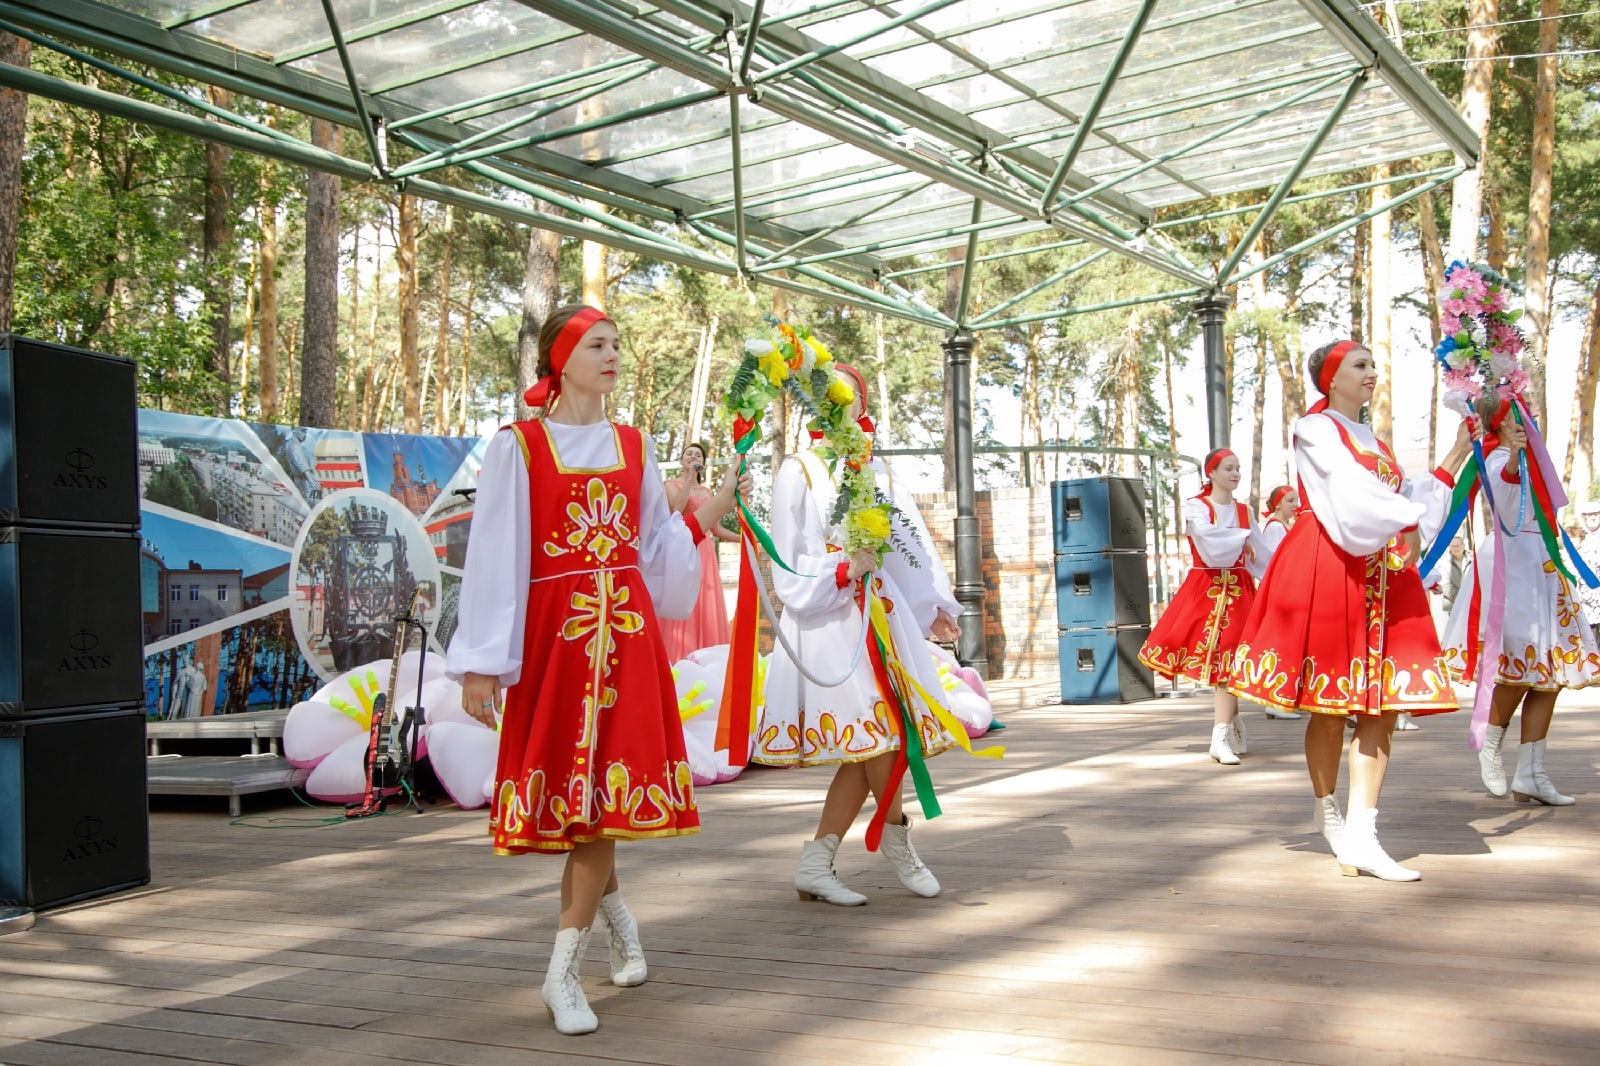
(804, 723)
(1546, 646)
(1277, 517)
(1341, 625)
(572, 551)
(1197, 634)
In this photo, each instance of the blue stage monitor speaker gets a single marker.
(1103, 590)
(1093, 514)
(1102, 666)
(74, 817)
(71, 631)
(68, 436)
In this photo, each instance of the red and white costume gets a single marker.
(1199, 630)
(707, 626)
(1545, 642)
(1337, 628)
(1273, 530)
(573, 553)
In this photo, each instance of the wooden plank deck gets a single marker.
(1111, 896)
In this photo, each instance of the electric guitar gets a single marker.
(382, 761)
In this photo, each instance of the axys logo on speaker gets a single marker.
(78, 477)
(90, 842)
(83, 643)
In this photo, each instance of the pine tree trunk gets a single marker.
(1433, 284)
(406, 260)
(1032, 416)
(466, 354)
(319, 354)
(1537, 282)
(216, 255)
(352, 378)
(1466, 210)
(594, 272)
(441, 345)
(1580, 476)
(267, 365)
(249, 339)
(1496, 252)
(541, 296)
(1358, 283)
(1378, 290)
(13, 140)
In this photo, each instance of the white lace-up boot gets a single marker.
(628, 967)
(1359, 852)
(1330, 823)
(562, 993)
(1236, 738)
(1220, 750)
(1489, 767)
(1531, 782)
(896, 847)
(815, 878)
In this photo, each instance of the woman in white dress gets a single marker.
(1545, 644)
(804, 723)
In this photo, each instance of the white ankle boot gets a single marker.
(562, 994)
(1359, 852)
(628, 967)
(815, 878)
(1236, 737)
(1330, 823)
(1278, 712)
(1531, 782)
(1489, 767)
(896, 847)
(1220, 750)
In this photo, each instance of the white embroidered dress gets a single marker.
(803, 723)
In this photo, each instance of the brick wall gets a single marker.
(1018, 574)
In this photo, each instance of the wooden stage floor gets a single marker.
(1110, 896)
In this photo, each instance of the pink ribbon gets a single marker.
(1491, 649)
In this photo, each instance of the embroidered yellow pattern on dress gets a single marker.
(599, 524)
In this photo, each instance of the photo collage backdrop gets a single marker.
(277, 557)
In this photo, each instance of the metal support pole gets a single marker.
(1213, 311)
(971, 647)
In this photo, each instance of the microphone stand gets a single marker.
(415, 717)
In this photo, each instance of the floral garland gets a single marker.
(1482, 342)
(791, 359)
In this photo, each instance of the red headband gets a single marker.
(1276, 497)
(1212, 461)
(1330, 367)
(567, 338)
(1491, 434)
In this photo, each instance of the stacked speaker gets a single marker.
(1102, 589)
(74, 819)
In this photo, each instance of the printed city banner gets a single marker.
(276, 557)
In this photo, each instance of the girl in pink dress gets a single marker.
(708, 625)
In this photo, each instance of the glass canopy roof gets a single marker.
(811, 144)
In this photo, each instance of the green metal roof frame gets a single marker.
(813, 145)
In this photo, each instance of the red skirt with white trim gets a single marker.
(1200, 629)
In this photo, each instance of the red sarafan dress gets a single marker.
(591, 743)
(1338, 626)
(1200, 628)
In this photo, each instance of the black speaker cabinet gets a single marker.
(70, 621)
(74, 818)
(68, 436)
(1093, 514)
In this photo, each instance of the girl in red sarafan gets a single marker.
(572, 554)
(1198, 631)
(1341, 626)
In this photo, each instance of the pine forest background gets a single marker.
(251, 289)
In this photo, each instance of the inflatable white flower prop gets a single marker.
(329, 733)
